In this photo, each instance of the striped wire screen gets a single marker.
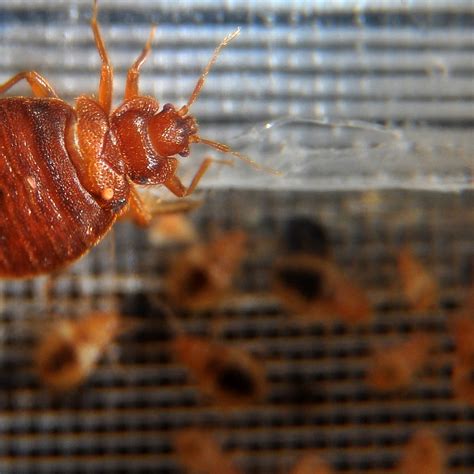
(345, 97)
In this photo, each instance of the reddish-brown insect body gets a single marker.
(394, 368)
(229, 376)
(67, 173)
(71, 349)
(316, 288)
(203, 275)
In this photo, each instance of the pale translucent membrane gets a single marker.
(352, 155)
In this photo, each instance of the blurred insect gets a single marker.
(311, 464)
(317, 288)
(201, 276)
(229, 376)
(69, 352)
(418, 284)
(67, 173)
(199, 453)
(395, 367)
(423, 455)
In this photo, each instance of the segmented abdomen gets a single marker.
(47, 219)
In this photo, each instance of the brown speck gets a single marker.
(65, 355)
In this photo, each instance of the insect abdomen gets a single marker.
(47, 218)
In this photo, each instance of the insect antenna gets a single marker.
(227, 149)
(184, 110)
(200, 83)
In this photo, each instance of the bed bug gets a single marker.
(315, 287)
(68, 353)
(311, 464)
(418, 283)
(199, 453)
(203, 274)
(228, 376)
(425, 454)
(67, 173)
(394, 368)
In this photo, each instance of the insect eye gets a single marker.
(168, 107)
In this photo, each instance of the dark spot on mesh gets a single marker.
(233, 378)
(136, 304)
(308, 283)
(305, 235)
(63, 356)
(196, 280)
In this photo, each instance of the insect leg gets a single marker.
(177, 187)
(131, 88)
(138, 209)
(39, 85)
(106, 73)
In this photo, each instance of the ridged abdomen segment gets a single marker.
(47, 218)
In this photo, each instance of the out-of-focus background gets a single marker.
(367, 109)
